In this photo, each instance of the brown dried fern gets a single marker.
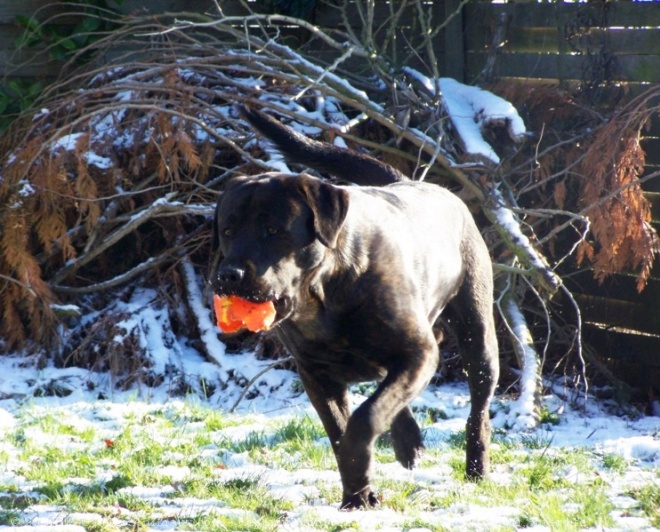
(594, 167)
(612, 196)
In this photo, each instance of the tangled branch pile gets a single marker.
(109, 185)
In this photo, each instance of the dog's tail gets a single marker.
(345, 164)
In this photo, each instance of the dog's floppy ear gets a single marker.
(329, 205)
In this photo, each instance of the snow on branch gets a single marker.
(471, 110)
(509, 228)
(525, 411)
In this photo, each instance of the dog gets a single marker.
(359, 276)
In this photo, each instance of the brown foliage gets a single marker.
(59, 179)
(612, 197)
(590, 165)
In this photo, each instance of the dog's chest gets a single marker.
(349, 365)
(349, 354)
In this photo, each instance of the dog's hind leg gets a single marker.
(406, 439)
(471, 314)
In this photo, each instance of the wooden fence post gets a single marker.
(454, 41)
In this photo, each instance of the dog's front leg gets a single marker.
(376, 414)
(330, 400)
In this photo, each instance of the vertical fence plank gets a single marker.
(454, 41)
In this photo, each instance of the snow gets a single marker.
(100, 162)
(471, 108)
(66, 142)
(506, 218)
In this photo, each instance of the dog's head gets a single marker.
(273, 232)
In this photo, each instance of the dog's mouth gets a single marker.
(283, 304)
(283, 308)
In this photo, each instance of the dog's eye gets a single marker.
(227, 232)
(272, 230)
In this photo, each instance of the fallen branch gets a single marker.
(508, 228)
(161, 207)
(526, 410)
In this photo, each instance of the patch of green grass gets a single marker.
(330, 492)
(52, 425)
(299, 429)
(10, 517)
(138, 455)
(419, 523)
(429, 415)
(298, 443)
(306, 454)
(364, 388)
(133, 503)
(575, 509)
(457, 440)
(615, 462)
(14, 500)
(401, 496)
(384, 454)
(536, 441)
(504, 452)
(97, 526)
(255, 440)
(214, 421)
(559, 490)
(116, 483)
(549, 486)
(457, 463)
(213, 522)
(245, 493)
(540, 475)
(649, 502)
(593, 507)
(311, 520)
(50, 465)
(548, 417)
(194, 411)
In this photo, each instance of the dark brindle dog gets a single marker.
(359, 276)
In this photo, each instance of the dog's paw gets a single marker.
(361, 500)
(408, 453)
(407, 440)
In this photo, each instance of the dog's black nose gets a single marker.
(230, 275)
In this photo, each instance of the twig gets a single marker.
(256, 377)
(578, 343)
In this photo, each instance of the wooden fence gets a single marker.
(550, 42)
(567, 43)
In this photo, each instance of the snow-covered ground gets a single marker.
(92, 403)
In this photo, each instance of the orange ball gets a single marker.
(234, 313)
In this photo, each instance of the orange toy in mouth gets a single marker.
(234, 313)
